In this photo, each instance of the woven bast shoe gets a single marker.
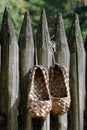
(39, 102)
(59, 87)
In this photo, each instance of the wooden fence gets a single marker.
(17, 57)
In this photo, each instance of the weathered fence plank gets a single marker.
(77, 74)
(85, 114)
(0, 89)
(26, 61)
(0, 75)
(44, 55)
(9, 73)
(81, 58)
(73, 81)
(62, 57)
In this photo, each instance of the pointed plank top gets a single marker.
(62, 54)
(59, 17)
(43, 20)
(7, 29)
(76, 36)
(26, 35)
(76, 18)
(43, 15)
(42, 31)
(75, 30)
(44, 12)
(60, 36)
(43, 41)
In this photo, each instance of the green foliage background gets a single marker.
(66, 7)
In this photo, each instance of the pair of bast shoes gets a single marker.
(48, 92)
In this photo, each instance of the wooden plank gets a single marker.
(62, 57)
(85, 112)
(0, 75)
(86, 71)
(44, 56)
(9, 73)
(26, 61)
(0, 58)
(81, 58)
(77, 77)
(73, 84)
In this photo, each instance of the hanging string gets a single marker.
(52, 37)
(53, 48)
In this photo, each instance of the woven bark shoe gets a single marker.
(39, 102)
(59, 87)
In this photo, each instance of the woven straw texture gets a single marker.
(59, 87)
(39, 102)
